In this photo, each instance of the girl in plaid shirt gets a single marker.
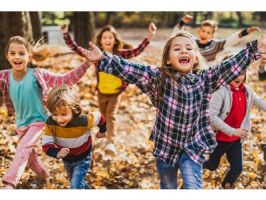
(181, 94)
(24, 92)
(110, 87)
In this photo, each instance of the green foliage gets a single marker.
(55, 18)
(162, 19)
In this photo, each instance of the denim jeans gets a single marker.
(233, 152)
(190, 171)
(77, 171)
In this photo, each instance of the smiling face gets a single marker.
(182, 54)
(108, 41)
(206, 33)
(18, 56)
(62, 116)
(239, 80)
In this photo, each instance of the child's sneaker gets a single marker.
(110, 149)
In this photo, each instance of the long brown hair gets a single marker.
(119, 43)
(168, 72)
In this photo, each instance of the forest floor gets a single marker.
(134, 164)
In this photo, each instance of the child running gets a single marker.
(67, 134)
(17, 85)
(230, 108)
(110, 87)
(208, 45)
(181, 94)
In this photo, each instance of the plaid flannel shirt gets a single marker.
(45, 79)
(182, 119)
(125, 53)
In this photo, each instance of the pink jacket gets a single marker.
(45, 80)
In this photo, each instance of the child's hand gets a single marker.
(100, 135)
(187, 18)
(64, 28)
(253, 29)
(62, 153)
(243, 134)
(93, 54)
(152, 31)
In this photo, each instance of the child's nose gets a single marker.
(183, 50)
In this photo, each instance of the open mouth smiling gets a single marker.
(184, 60)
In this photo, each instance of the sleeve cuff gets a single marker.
(253, 48)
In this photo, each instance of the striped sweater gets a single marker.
(76, 136)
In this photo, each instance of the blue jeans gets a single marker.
(233, 151)
(77, 171)
(190, 171)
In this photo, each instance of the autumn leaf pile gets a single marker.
(134, 165)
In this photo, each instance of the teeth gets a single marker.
(183, 60)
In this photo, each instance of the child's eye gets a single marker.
(177, 49)
(22, 53)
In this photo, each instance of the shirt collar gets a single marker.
(189, 76)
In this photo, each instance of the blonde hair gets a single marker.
(39, 50)
(167, 71)
(62, 98)
(210, 23)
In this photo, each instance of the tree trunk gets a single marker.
(84, 27)
(108, 18)
(195, 17)
(35, 18)
(240, 19)
(11, 24)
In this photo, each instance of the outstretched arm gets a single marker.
(130, 53)
(231, 68)
(70, 78)
(143, 76)
(237, 36)
(68, 40)
(180, 25)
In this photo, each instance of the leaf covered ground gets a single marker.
(134, 164)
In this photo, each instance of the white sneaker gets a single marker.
(110, 149)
